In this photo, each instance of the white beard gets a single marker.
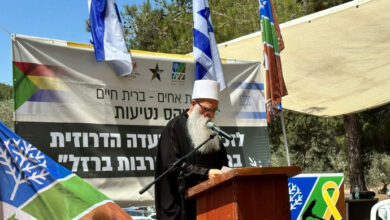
(196, 127)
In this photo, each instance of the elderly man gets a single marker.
(181, 135)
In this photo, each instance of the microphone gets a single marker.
(218, 130)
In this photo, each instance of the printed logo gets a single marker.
(178, 73)
(315, 196)
(156, 72)
(24, 162)
(296, 197)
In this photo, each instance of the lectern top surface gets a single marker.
(239, 173)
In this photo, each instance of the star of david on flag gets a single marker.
(206, 55)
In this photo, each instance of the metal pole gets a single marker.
(285, 137)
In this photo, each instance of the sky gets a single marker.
(56, 19)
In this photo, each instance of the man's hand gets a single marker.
(214, 172)
(225, 169)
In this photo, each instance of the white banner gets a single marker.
(106, 128)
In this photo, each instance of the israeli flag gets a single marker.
(206, 55)
(107, 36)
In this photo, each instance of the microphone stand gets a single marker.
(179, 164)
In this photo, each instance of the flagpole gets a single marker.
(285, 137)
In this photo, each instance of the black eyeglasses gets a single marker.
(207, 109)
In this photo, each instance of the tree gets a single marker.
(161, 27)
(379, 171)
(375, 145)
(316, 144)
(167, 27)
(352, 140)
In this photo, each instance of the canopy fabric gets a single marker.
(335, 62)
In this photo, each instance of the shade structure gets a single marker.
(335, 62)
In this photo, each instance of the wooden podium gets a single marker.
(245, 194)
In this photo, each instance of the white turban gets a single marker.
(206, 89)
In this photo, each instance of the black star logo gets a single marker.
(156, 72)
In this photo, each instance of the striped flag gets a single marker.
(107, 36)
(206, 55)
(272, 45)
(33, 186)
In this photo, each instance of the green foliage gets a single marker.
(379, 171)
(311, 6)
(318, 144)
(158, 27)
(167, 27)
(233, 19)
(375, 126)
(315, 144)
(375, 145)
(6, 105)
(5, 92)
(6, 113)
(287, 10)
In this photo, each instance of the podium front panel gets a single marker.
(245, 196)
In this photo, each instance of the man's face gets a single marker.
(198, 131)
(208, 107)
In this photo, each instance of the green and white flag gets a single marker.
(33, 186)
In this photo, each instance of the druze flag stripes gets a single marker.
(33, 186)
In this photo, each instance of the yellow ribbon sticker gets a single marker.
(331, 202)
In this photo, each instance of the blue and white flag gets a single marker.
(206, 55)
(107, 36)
(34, 186)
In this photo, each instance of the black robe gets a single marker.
(174, 143)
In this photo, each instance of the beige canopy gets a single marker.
(335, 62)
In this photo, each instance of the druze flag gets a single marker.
(33, 186)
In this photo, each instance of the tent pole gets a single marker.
(285, 138)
